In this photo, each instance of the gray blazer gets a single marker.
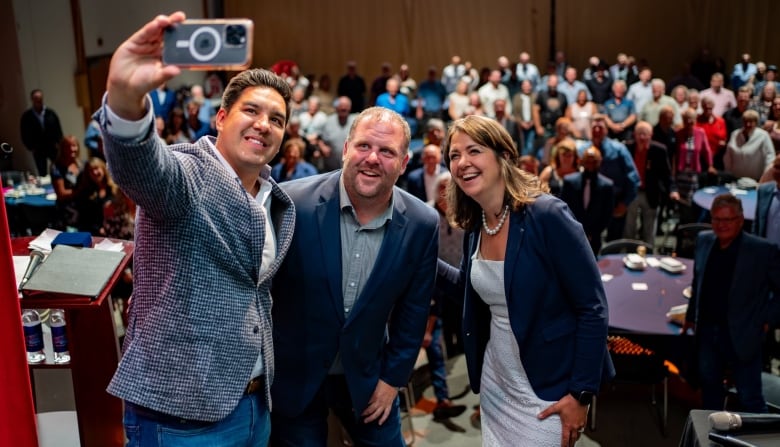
(201, 312)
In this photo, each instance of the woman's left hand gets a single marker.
(573, 418)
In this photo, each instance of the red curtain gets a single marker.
(17, 412)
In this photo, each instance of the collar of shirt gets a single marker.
(346, 206)
(265, 173)
(40, 115)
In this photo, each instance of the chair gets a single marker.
(636, 364)
(623, 246)
(685, 238)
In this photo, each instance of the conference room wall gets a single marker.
(40, 51)
(322, 36)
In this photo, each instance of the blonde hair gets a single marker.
(521, 187)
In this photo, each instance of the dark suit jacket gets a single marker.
(602, 200)
(657, 172)
(39, 140)
(756, 274)
(765, 193)
(382, 335)
(415, 184)
(557, 307)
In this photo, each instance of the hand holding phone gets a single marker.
(213, 44)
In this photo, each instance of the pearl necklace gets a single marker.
(494, 231)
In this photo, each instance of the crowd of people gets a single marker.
(316, 198)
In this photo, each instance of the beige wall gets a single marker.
(322, 36)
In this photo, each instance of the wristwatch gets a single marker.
(583, 397)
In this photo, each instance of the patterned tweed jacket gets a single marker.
(201, 309)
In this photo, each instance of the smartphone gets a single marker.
(209, 44)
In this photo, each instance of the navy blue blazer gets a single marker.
(415, 184)
(557, 306)
(602, 201)
(764, 195)
(756, 274)
(164, 109)
(382, 335)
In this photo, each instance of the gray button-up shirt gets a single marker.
(360, 246)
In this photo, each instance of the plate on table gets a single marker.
(634, 262)
(671, 265)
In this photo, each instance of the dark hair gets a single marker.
(256, 77)
(521, 187)
(727, 200)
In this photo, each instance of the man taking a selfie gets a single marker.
(212, 229)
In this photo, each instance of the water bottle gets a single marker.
(33, 336)
(58, 336)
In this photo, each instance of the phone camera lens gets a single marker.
(235, 35)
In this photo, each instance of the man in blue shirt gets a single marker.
(617, 165)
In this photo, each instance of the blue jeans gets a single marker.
(716, 355)
(248, 425)
(436, 364)
(310, 428)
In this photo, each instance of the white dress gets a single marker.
(509, 404)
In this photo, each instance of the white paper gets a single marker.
(606, 277)
(43, 242)
(107, 245)
(20, 265)
(639, 286)
(710, 190)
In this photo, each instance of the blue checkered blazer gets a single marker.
(201, 311)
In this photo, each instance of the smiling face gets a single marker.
(251, 131)
(374, 158)
(727, 223)
(475, 168)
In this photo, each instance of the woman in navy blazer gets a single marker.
(535, 313)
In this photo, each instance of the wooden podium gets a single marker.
(94, 351)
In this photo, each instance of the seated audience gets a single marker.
(176, 128)
(564, 161)
(96, 188)
(292, 166)
(64, 173)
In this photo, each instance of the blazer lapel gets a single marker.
(512, 255)
(330, 237)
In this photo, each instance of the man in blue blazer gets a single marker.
(731, 308)
(767, 221)
(596, 214)
(163, 101)
(352, 298)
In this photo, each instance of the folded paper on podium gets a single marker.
(72, 272)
